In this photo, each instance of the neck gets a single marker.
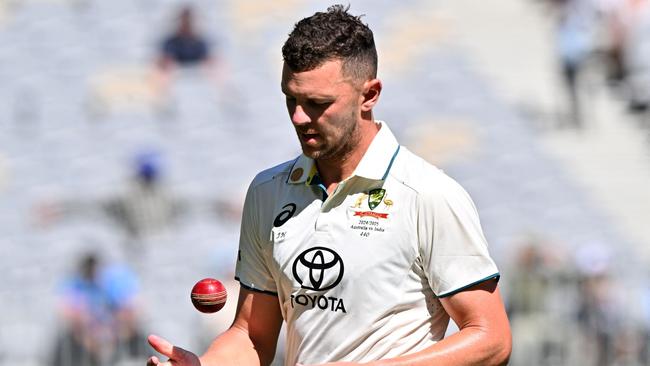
(335, 170)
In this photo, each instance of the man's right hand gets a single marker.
(258, 317)
(177, 356)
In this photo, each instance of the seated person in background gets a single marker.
(144, 209)
(97, 305)
(185, 46)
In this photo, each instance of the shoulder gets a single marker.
(421, 176)
(264, 190)
(275, 174)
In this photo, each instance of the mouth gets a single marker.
(309, 138)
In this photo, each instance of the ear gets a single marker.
(371, 91)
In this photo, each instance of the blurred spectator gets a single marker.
(597, 316)
(577, 22)
(529, 287)
(634, 20)
(98, 308)
(186, 48)
(144, 209)
(532, 286)
(598, 313)
(185, 53)
(612, 32)
(627, 49)
(566, 310)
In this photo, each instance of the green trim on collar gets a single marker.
(390, 165)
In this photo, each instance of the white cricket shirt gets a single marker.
(358, 273)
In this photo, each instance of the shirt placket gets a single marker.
(327, 213)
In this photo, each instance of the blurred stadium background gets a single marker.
(475, 87)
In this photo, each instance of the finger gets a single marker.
(165, 348)
(154, 361)
(175, 354)
(161, 345)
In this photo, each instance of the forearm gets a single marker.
(234, 347)
(470, 346)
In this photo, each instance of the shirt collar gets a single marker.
(374, 165)
(303, 171)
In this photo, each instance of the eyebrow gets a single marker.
(309, 96)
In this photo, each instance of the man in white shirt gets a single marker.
(363, 249)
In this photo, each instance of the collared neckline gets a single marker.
(374, 165)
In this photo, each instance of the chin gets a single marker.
(311, 152)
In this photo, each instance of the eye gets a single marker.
(319, 103)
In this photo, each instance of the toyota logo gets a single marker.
(318, 268)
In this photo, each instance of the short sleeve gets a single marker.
(453, 249)
(252, 270)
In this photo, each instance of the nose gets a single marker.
(298, 116)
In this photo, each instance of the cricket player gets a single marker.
(364, 250)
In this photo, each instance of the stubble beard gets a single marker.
(342, 148)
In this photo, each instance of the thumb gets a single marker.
(165, 348)
(161, 345)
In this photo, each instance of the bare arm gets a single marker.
(484, 337)
(253, 336)
(251, 340)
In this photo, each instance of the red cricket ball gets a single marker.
(208, 295)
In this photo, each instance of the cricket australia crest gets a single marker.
(375, 197)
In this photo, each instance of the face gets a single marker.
(324, 107)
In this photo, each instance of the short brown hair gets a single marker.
(332, 35)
